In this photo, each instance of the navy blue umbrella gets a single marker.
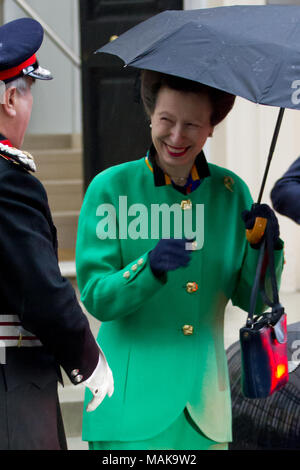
(249, 51)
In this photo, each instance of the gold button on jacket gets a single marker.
(188, 330)
(191, 287)
(186, 204)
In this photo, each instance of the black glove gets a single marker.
(262, 210)
(169, 254)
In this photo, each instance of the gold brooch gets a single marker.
(228, 183)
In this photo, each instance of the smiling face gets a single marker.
(180, 127)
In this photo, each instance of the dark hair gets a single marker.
(151, 82)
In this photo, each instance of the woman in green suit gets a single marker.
(161, 249)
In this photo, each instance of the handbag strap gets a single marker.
(256, 285)
(266, 299)
(266, 255)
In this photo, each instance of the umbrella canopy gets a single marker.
(250, 51)
(273, 422)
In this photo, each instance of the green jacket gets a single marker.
(159, 368)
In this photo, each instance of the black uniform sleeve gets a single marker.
(31, 283)
(285, 195)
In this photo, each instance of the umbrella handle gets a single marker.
(255, 234)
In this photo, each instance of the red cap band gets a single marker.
(15, 71)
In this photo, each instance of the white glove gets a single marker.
(100, 383)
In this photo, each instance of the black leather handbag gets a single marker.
(263, 340)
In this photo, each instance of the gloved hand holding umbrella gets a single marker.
(256, 221)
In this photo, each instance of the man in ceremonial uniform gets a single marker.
(42, 326)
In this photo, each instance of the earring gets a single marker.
(150, 125)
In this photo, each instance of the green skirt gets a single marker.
(183, 434)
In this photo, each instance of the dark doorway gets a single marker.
(115, 128)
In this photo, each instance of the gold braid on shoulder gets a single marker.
(20, 157)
